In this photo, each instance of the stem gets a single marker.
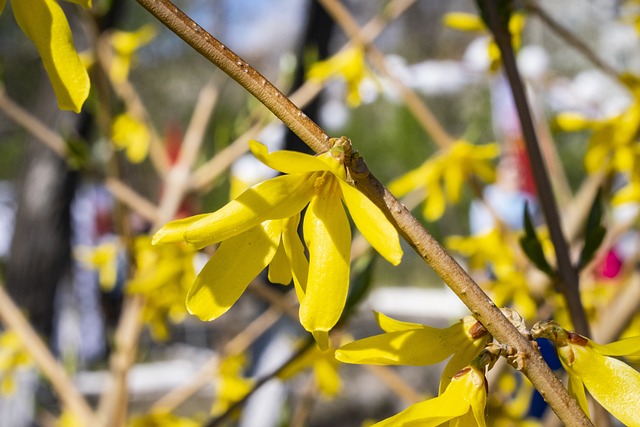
(410, 228)
(567, 273)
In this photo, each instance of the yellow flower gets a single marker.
(68, 419)
(405, 343)
(130, 134)
(349, 64)
(613, 146)
(614, 384)
(44, 22)
(462, 403)
(13, 356)
(443, 175)
(125, 44)
(163, 275)
(258, 229)
(161, 419)
(469, 22)
(325, 369)
(231, 386)
(102, 258)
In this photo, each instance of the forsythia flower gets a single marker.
(44, 22)
(13, 355)
(443, 174)
(350, 65)
(125, 44)
(163, 276)
(130, 134)
(258, 229)
(462, 403)
(231, 386)
(405, 343)
(102, 258)
(614, 384)
(469, 22)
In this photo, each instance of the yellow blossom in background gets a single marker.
(463, 21)
(259, 229)
(44, 22)
(130, 134)
(161, 419)
(462, 403)
(442, 175)
(125, 44)
(614, 384)
(163, 275)
(230, 385)
(349, 65)
(13, 356)
(103, 258)
(413, 344)
(68, 419)
(324, 366)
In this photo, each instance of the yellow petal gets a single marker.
(43, 21)
(463, 21)
(462, 356)
(576, 390)
(328, 235)
(625, 347)
(453, 180)
(614, 384)
(372, 223)
(280, 269)
(327, 377)
(225, 277)
(434, 205)
(173, 232)
(389, 324)
(405, 347)
(3, 3)
(287, 161)
(296, 253)
(408, 182)
(131, 134)
(276, 198)
(572, 122)
(628, 194)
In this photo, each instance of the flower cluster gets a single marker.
(443, 175)
(259, 229)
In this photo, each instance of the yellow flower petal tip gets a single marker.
(44, 22)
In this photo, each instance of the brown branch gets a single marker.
(410, 228)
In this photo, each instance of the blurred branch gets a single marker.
(409, 227)
(415, 104)
(33, 125)
(132, 199)
(570, 38)
(66, 391)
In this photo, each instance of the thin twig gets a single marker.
(568, 275)
(34, 126)
(570, 38)
(409, 227)
(415, 104)
(47, 364)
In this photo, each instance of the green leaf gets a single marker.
(532, 247)
(594, 232)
